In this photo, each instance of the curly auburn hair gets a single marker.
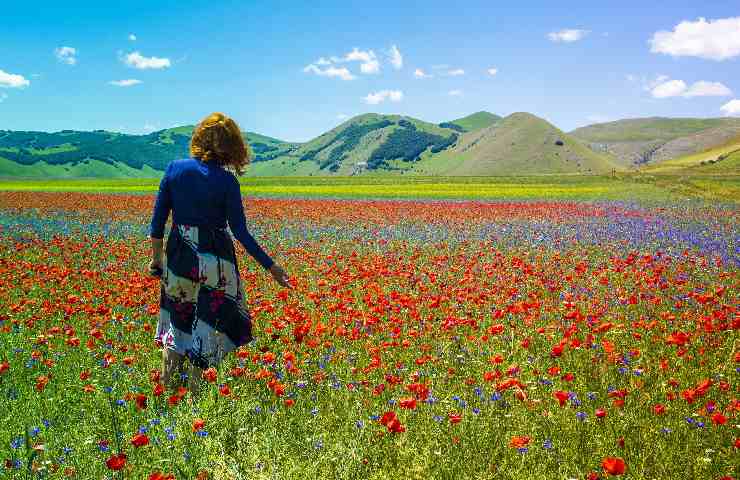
(217, 138)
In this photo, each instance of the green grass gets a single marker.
(573, 187)
(476, 121)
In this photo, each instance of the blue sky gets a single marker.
(572, 63)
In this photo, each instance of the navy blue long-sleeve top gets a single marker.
(203, 194)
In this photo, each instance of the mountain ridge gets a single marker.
(478, 144)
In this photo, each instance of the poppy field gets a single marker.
(423, 338)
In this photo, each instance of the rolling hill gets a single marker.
(479, 144)
(101, 153)
(521, 143)
(649, 141)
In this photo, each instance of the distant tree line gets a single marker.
(452, 126)
(407, 144)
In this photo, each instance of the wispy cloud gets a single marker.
(396, 57)
(369, 61)
(137, 60)
(11, 80)
(132, 37)
(456, 72)
(125, 83)
(383, 95)
(339, 72)
(419, 73)
(492, 71)
(567, 35)
(66, 55)
(714, 39)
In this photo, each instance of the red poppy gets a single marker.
(613, 465)
(41, 383)
(198, 424)
(139, 440)
(600, 413)
(408, 403)
(561, 397)
(4, 367)
(158, 390)
(224, 390)
(519, 441)
(719, 419)
(210, 375)
(659, 409)
(161, 476)
(455, 418)
(140, 401)
(116, 462)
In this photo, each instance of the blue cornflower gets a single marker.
(35, 431)
(359, 424)
(522, 450)
(257, 409)
(478, 391)
(591, 396)
(202, 433)
(575, 402)
(495, 396)
(437, 418)
(67, 450)
(666, 430)
(374, 417)
(581, 416)
(171, 437)
(689, 419)
(476, 411)
(121, 402)
(155, 421)
(547, 444)
(318, 445)
(16, 443)
(143, 429)
(391, 402)
(546, 382)
(622, 370)
(314, 411)
(700, 424)
(46, 423)
(637, 372)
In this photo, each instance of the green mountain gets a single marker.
(472, 122)
(518, 144)
(101, 153)
(648, 141)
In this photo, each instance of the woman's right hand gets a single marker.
(280, 276)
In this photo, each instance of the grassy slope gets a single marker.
(645, 129)
(291, 164)
(695, 160)
(476, 121)
(89, 168)
(520, 144)
(668, 139)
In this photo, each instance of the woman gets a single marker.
(202, 312)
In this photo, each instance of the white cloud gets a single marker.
(10, 80)
(125, 83)
(132, 37)
(708, 89)
(3, 96)
(137, 60)
(456, 72)
(567, 35)
(396, 58)
(669, 88)
(342, 116)
(66, 55)
(731, 108)
(492, 71)
(663, 87)
(455, 93)
(342, 73)
(322, 61)
(383, 95)
(713, 40)
(419, 73)
(370, 63)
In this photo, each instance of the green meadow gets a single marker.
(641, 187)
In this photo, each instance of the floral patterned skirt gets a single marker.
(202, 311)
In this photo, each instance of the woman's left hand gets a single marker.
(155, 268)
